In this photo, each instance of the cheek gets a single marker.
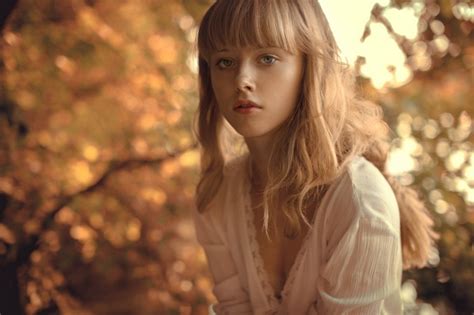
(219, 86)
(294, 83)
(284, 89)
(286, 79)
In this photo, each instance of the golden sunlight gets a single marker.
(385, 62)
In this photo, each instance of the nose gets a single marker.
(245, 79)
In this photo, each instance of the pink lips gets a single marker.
(243, 106)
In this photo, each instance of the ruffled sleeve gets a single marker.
(363, 270)
(232, 299)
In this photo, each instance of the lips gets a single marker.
(243, 103)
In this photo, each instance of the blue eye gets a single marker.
(267, 59)
(224, 63)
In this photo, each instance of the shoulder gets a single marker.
(372, 196)
(361, 193)
(361, 201)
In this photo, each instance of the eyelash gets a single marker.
(265, 56)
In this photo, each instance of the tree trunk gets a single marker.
(10, 301)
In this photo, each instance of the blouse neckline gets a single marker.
(255, 248)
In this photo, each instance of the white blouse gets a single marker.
(349, 263)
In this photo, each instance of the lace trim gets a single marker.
(255, 249)
(254, 246)
(297, 263)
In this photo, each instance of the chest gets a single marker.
(279, 253)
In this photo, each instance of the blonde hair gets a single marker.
(330, 124)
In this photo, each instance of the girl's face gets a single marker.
(269, 77)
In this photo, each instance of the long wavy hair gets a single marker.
(330, 125)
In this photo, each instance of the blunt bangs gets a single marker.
(244, 23)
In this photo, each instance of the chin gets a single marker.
(249, 131)
(254, 134)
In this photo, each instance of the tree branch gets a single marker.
(115, 166)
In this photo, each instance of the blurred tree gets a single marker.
(10, 291)
(81, 79)
(433, 131)
(98, 163)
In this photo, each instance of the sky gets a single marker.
(348, 20)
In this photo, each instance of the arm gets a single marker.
(363, 270)
(232, 299)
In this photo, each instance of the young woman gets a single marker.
(305, 221)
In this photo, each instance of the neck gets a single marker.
(259, 153)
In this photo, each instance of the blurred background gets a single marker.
(98, 163)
